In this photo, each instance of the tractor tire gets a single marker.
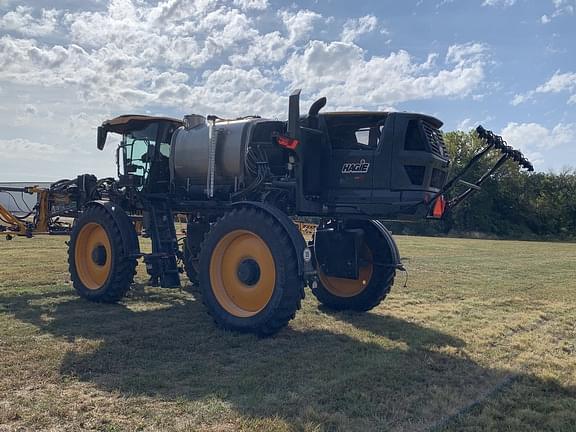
(99, 268)
(373, 284)
(195, 232)
(249, 273)
(190, 266)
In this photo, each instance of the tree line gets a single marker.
(513, 204)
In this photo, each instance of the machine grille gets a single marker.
(435, 139)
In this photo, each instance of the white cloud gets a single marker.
(22, 21)
(273, 47)
(519, 99)
(132, 55)
(558, 83)
(534, 139)
(252, 4)
(267, 48)
(545, 19)
(500, 3)
(299, 24)
(353, 28)
(466, 53)
(343, 73)
(465, 125)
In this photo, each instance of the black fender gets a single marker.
(387, 235)
(300, 246)
(127, 231)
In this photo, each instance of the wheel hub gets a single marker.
(99, 255)
(249, 272)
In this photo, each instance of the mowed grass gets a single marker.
(482, 338)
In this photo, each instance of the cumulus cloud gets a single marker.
(21, 20)
(466, 53)
(343, 72)
(526, 135)
(558, 83)
(535, 139)
(501, 3)
(299, 24)
(353, 28)
(133, 55)
(252, 4)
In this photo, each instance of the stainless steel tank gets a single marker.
(190, 153)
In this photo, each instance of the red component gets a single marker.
(286, 142)
(439, 207)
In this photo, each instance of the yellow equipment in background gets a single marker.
(43, 218)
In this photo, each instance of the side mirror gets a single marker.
(101, 140)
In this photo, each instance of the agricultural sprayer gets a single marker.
(242, 182)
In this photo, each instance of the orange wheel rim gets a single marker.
(93, 255)
(341, 287)
(242, 273)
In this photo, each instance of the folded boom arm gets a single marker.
(493, 142)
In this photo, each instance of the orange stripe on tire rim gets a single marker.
(236, 297)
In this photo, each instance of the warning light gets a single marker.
(286, 142)
(439, 207)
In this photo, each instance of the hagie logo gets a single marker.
(355, 167)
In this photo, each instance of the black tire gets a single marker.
(195, 232)
(109, 275)
(285, 287)
(190, 263)
(378, 285)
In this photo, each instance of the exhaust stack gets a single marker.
(294, 114)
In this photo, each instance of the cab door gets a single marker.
(351, 165)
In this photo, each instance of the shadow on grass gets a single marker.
(405, 376)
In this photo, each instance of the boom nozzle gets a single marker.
(498, 142)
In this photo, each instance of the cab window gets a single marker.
(355, 131)
(138, 150)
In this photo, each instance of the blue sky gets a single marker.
(67, 66)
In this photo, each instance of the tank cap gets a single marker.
(193, 120)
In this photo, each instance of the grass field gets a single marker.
(482, 338)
